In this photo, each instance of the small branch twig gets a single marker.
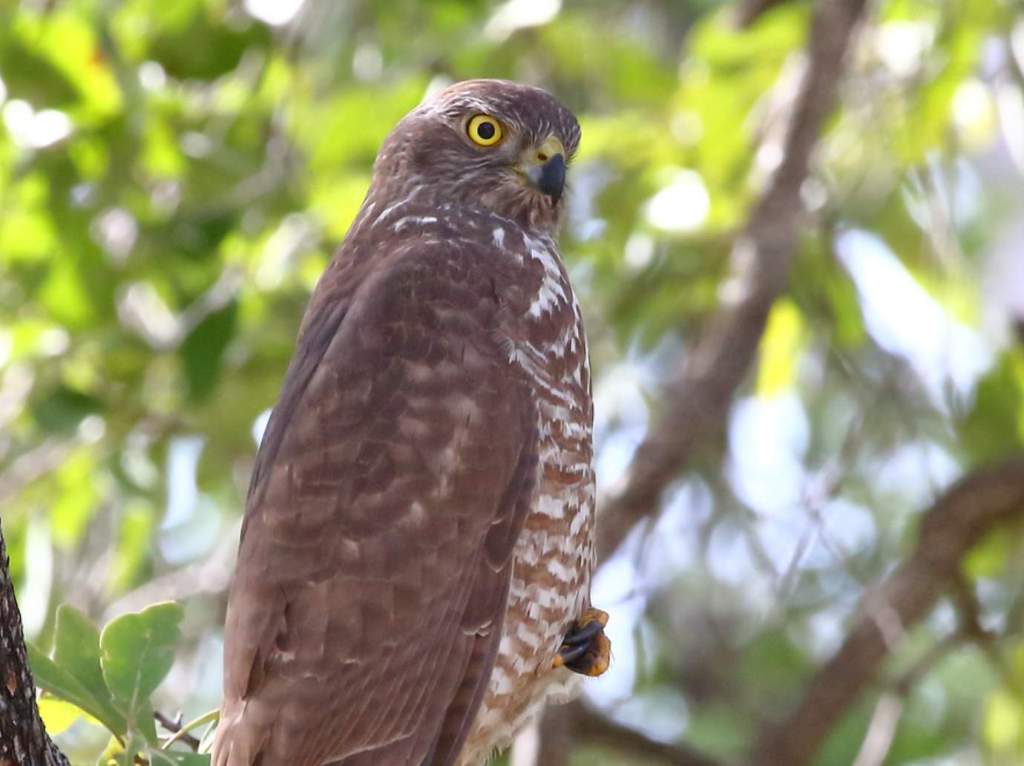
(889, 709)
(178, 732)
(881, 731)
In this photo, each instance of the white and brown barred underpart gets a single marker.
(554, 556)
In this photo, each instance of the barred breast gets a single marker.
(554, 556)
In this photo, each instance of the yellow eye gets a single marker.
(484, 130)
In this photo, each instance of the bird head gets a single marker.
(489, 144)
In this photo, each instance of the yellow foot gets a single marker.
(586, 649)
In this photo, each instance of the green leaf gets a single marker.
(64, 294)
(203, 350)
(74, 673)
(28, 74)
(995, 425)
(1003, 727)
(124, 757)
(77, 502)
(137, 651)
(61, 683)
(67, 44)
(780, 349)
(77, 650)
(60, 715)
(990, 557)
(133, 548)
(145, 723)
(63, 409)
(205, 49)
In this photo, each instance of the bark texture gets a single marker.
(23, 738)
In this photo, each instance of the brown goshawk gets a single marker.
(413, 576)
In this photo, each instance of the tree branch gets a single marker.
(589, 726)
(557, 735)
(746, 13)
(696, 401)
(974, 506)
(23, 738)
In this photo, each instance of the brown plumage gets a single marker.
(418, 531)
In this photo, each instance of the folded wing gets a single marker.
(376, 551)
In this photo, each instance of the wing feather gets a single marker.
(376, 554)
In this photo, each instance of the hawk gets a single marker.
(413, 576)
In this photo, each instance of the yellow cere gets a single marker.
(484, 130)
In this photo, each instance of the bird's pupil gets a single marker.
(485, 130)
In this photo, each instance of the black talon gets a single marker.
(569, 656)
(584, 635)
(585, 648)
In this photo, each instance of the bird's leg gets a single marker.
(585, 648)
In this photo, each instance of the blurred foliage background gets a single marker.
(175, 175)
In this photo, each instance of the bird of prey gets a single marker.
(413, 576)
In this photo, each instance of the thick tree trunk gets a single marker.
(23, 739)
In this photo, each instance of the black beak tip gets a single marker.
(552, 177)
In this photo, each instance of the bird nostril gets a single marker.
(542, 156)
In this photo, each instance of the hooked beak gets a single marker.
(544, 166)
